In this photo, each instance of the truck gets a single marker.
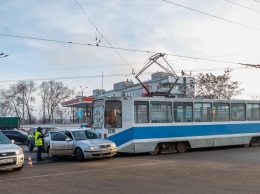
(9, 122)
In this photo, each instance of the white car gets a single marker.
(11, 155)
(81, 143)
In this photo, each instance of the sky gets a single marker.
(57, 40)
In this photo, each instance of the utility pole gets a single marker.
(23, 104)
(102, 85)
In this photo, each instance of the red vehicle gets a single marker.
(22, 129)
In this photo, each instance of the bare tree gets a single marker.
(61, 114)
(52, 93)
(24, 91)
(17, 100)
(218, 87)
(8, 104)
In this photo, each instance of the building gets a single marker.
(80, 109)
(160, 82)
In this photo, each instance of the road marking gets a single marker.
(84, 171)
(151, 160)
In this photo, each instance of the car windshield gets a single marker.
(3, 139)
(84, 134)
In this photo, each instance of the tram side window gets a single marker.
(202, 112)
(141, 112)
(161, 112)
(113, 114)
(183, 112)
(238, 112)
(221, 112)
(253, 113)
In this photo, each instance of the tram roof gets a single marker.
(186, 99)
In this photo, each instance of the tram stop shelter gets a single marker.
(80, 109)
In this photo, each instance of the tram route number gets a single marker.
(111, 130)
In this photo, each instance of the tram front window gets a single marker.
(113, 112)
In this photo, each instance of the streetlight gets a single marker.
(2, 55)
(82, 90)
(81, 110)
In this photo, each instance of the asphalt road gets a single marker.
(223, 170)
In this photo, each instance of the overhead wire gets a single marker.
(242, 6)
(96, 76)
(72, 77)
(61, 69)
(126, 74)
(230, 21)
(132, 50)
(126, 49)
(110, 46)
(117, 48)
(199, 58)
(98, 66)
(101, 34)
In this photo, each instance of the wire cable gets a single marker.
(128, 74)
(98, 66)
(242, 6)
(117, 48)
(102, 35)
(73, 77)
(212, 15)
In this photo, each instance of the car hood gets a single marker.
(8, 147)
(95, 142)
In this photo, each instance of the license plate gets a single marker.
(10, 160)
(106, 151)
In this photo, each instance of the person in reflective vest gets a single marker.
(38, 139)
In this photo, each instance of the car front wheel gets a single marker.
(79, 155)
(30, 146)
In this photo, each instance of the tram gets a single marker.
(163, 124)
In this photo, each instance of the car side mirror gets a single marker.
(68, 139)
(12, 141)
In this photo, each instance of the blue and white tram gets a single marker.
(161, 124)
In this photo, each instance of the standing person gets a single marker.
(38, 139)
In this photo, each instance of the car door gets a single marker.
(60, 144)
(70, 151)
(15, 136)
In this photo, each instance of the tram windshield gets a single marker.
(98, 114)
(113, 116)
